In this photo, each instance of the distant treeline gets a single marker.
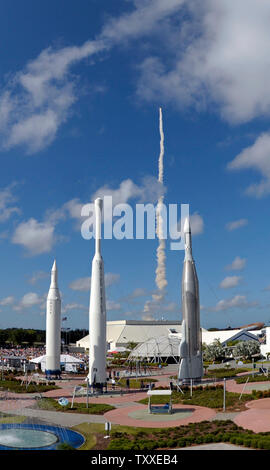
(10, 337)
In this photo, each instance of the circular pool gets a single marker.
(34, 437)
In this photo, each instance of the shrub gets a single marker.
(65, 446)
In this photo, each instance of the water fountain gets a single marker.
(21, 431)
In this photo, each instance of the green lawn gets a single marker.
(16, 387)
(128, 438)
(211, 397)
(94, 408)
(135, 383)
(256, 378)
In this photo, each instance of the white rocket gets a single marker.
(191, 364)
(53, 326)
(97, 311)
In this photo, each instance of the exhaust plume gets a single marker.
(160, 280)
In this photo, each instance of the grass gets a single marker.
(128, 438)
(256, 378)
(191, 434)
(223, 373)
(50, 404)
(9, 419)
(211, 397)
(135, 383)
(16, 387)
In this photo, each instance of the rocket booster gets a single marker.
(53, 326)
(191, 365)
(97, 310)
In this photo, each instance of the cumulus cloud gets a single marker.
(112, 305)
(196, 224)
(230, 281)
(36, 237)
(219, 58)
(29, 300)
(73, 306)
(7, 301)
(213, 54)
(234, 225)
(238, 301)
(148, 317)
(237, 265)
(38, 99)
(7, 199)
(38, 276)
(83, 284)
(255, 157)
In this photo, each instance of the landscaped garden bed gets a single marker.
(50, 404)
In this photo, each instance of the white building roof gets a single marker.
(64, 359)
(125, 331)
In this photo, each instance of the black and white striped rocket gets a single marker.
(97, 311)
(191, 363)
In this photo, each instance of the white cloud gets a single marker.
(29, 300)
(6, 201)
(145, 18)
(36, 237)
(213, 53)
(73, 306)
(196, 224)
(238, 301)
(219, 58)
(139, 292)
(230, 281)
(256, 157)
(83, 284)
(148, 317)
(112, 305)
(236, 224)
(38, 99)
(7, 301)
(237, 265)
(148, 191)
(38, 276)
(111, 278)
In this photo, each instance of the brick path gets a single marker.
(121, 416)
(257, 417)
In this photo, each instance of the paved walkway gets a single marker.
(58, 418)
(127, 417)
(129, 412)
(257, 417)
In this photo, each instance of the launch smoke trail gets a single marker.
(161, 281)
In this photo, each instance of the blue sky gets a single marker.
(80, 91)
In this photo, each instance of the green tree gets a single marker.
(213, 351)
(246, 349)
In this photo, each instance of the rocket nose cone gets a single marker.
(99, 202)
(187, 226)
(54, 267)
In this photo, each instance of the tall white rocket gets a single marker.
(97, 311)
(191, 363)
(53, 326)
